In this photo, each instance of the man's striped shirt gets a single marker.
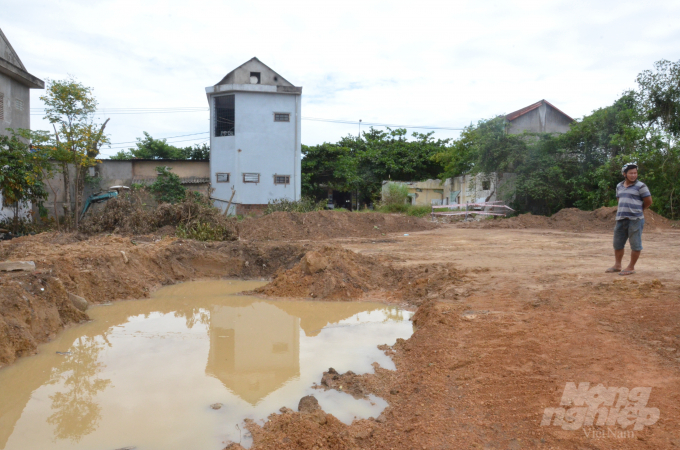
(630, 200)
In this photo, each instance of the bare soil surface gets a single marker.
(570, 219)
(506, 316)
(328, 225)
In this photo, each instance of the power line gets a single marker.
(40, 111)
(172, 142)
(169, 137)
(356, 122)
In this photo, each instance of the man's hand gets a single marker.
(646, 202)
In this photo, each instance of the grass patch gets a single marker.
(409, 210)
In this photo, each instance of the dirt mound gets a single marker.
(333, 273)
(328, 225)
(571, 219)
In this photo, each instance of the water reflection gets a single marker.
(143, 373)
(254, 349)
(76, 413)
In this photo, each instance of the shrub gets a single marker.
(168, 187)
(204, 231)
(410, 210)
(305, 204)
(396, 194)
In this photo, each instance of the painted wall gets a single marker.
(422, 193)
(259, 145)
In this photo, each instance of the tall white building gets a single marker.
(254, 138)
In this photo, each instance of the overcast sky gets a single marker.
(422, 63)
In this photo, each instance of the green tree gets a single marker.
(21, 174)
(361, 164)
(328, 167)
(70, 107)
(168, 187)
(150, 148)
(659, 96)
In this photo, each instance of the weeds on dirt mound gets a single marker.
(409, 210)
(194, 217)
(305, 204)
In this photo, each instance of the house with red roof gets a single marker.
(541, 117)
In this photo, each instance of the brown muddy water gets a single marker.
(144, 373)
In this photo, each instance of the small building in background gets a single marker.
(458, 190)
(15, 104)
(540, 117)
(255, 146)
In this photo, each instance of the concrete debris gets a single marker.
(17, 266)
(216, 405)
(79, 302)
(125, 258)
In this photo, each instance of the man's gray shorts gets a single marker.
(627, 229)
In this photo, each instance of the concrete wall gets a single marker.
(116, 173)
(422, 193)
(461, 189)
(259, 145)
(183, 169)
(470, 188)
(16, 104)
(7, 212)
(241, 75)
(544, 119)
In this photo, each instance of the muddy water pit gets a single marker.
(149, 373)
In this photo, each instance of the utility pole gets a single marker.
(359, 128)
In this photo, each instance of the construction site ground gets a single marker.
(506, 315)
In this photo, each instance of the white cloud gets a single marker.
(434, 63)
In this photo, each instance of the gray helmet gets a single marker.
(628, 166)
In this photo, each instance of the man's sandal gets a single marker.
(612, 270)
(626, 272)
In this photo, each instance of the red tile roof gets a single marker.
(520, 112)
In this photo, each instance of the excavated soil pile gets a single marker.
(328, 225)
(333, 273)
(34, 306)
(571, 219)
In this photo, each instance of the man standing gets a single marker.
(634, 197)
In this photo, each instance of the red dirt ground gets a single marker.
(505, 318)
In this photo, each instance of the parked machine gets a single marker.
(102, 196)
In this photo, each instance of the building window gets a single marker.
(281, 117)
(254, 77)
(224, 115)
(222, 177)
(18, 104)
(2, 106)
(251, 177)
(486, 185)
(281, 179)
